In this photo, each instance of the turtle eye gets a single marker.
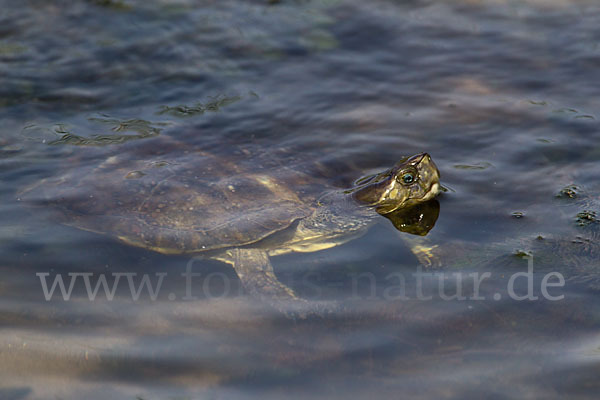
(408, 178)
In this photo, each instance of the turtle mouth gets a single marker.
(434, 190)
(430, 177)
(430, 193)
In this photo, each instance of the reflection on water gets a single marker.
(499, 92)
(417, 220)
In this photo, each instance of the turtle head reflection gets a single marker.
(417, 220)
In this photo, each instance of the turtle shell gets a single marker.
(179, 202)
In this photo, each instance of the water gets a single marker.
(504, 96)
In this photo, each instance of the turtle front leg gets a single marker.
(255, 271)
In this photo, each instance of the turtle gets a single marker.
(240, 209)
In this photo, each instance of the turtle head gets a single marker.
(411, 181)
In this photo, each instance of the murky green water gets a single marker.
(503, 94)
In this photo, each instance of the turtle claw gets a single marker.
(427, 256)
